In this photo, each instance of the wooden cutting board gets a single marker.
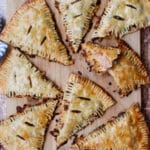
(59, 74)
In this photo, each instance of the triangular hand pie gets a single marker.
(100, 58)
(129, 71)
(126, 132)
(77, 16)
(19, 77)
(122, 17)
(83, 103)
(33, 30)
(27, 130)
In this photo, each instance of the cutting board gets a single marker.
(59, 74)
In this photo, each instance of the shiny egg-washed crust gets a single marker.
(27, 129)
(129, 71)
(128, 131)
(77, 18)
(19, 77)
(122, 17)
(100, 58)
(33, 30)
(83, 103)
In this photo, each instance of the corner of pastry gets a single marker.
(84, 102)
(27, 130)
(129, 71)
(36, 32)
(123, 17)
(100, 58)
(19, 77)
(76, 17)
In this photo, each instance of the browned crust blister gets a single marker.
(47, 106)
(100, 58)
(132, 118)
(117, 19)
(81, 19)
(129, 71)
(19, 77)
(44, 42)
(80, 93)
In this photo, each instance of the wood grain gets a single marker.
(59, 75)
(145, 53)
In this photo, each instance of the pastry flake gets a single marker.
(27, 130)
(33, 30)
(100, 58)
(127, 131)
(83, 102)
(77, 16)
(122, 17)
(129, 71)
(19, 77)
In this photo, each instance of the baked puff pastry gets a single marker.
(26, 130)
(19, 77)
(128, 131)
(77, 16)
(129, 71)
(122, 17)
(100, 58)
(83, 102)
(32, 29)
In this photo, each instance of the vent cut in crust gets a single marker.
(122, 17)
(129, 72)
(27, 130)
(19, 77)
(32, 29)
(77, 16)
(83, 102)
(126, 132)
(100, 58)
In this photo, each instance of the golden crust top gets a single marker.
(129, 71)
(77, 16)
(27, 130)
(122, 17)
(100, 58)
(83, 102)
(19, 77)
(33, 30)
(127, 131)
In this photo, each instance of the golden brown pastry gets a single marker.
(129, 71)
(100, 58)
(27, 130)
(128, 131)
(83, 102)
(19, 77)
(77, 16)
(122, 17)
(33, 30)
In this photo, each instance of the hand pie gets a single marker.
(33, 30)
(100, 58)
(19, 77)
(83, 102)
(128, 131)
(27, 130)
(122, 17)
(77, 16)
(129, 72)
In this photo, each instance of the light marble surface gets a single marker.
(3, 7)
